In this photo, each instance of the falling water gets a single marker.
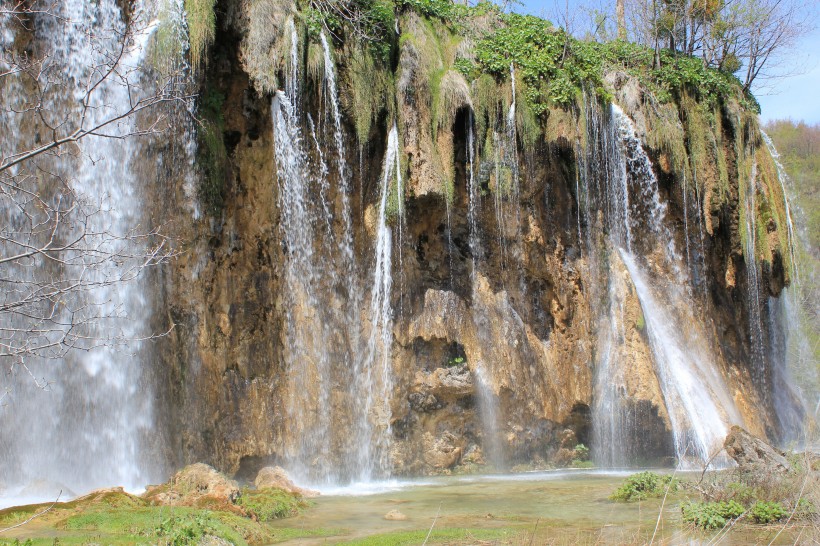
(372, 427)
(488, 405)
(473, 199)
(794, 355)
(697, 400)
(347, 280)
(292, 79)
(325, 347)
(84, 420)
(306, 336)
(699, 404)
(488, 409)
(752, 278)
(783, 178)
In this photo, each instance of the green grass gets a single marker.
(119, 518)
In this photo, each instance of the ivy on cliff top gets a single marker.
(555, 67)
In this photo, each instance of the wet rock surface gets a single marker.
(276, 477)
(753, 454)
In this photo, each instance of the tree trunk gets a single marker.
(619, 14)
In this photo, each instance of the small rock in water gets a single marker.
(395, 515)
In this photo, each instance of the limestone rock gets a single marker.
(449, 383)
(276, 477)
(441, 453)
(473, 455)
(568, 439)
(423, 402)
(563, 457)
(750, 452)
(395, 515)
(195, 485)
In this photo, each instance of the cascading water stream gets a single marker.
(372, 426)
(488, 406)
(697, 401)
(699, 405)
(89, 423)
(752, 278)
(305, 337)
(783, 178)
(334, 376)
(790, 320)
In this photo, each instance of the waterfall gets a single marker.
(336, 374)
(306, 340)
(752, 279)
(783, 178)
(490, 419)
(697, 400)
(699, 404)
(372, 427)
(793, 354)
(292, 78)
(85, 419)
(488, 406)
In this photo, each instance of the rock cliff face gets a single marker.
(510, 300)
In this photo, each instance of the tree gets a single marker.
(753, 38)
(65, 247)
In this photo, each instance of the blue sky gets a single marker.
(796, 97)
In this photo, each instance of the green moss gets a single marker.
(201, 27)
(640, 324)
(369, 90)
(213, 156)
(166, 49)
(269, 504)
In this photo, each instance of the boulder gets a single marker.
(195, 485)
(451, 383)
(443, 452)
(275, 477)
(752, 453)
(473, 455)
(395, 515)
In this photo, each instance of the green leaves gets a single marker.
(644, 485)
(711, 515)
(767, 511)
(554, 67)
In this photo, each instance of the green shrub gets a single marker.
(455, 361)
(581, 452)
(711, 515)
(767, 511)
(269, 504)
(644, 485)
